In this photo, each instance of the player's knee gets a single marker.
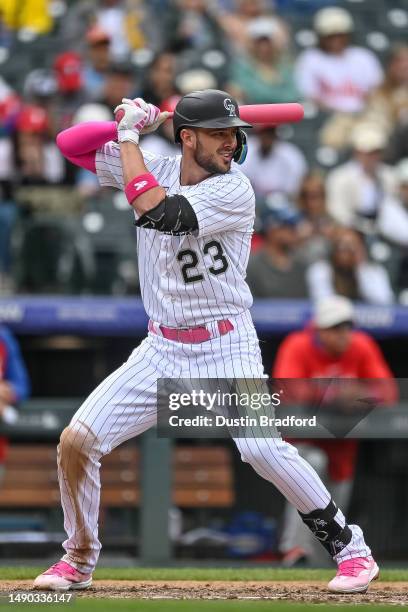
(76, 440)
(267, 454)
(256, 452)
(247, 455)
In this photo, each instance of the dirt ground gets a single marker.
(308, 592)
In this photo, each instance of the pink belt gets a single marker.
(192, 335)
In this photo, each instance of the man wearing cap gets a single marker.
(68, 72)
(336, 75)
(97, 63)
(329, 347)
(38, 159)
(67, 69)
(263, 74)
(194, 215)
(356, 189)
(274, 271)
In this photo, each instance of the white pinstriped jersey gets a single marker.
(186, 280)
(191, 280)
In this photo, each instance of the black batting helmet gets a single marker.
(210, 108)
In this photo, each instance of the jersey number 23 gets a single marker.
(189, 260)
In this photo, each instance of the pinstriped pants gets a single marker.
(124, 406)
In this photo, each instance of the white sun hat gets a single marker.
(333, 310)
(333, 20)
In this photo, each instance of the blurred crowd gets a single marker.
(331, 192)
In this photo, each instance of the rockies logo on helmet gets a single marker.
(230, 106)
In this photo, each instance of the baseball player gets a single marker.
(194, 216)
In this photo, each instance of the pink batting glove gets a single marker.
(151, 110)
(154, 117)
(161, 119)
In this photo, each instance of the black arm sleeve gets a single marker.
(173, 215)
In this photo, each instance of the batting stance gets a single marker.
(194, 216)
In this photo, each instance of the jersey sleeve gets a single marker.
(223, 205)
(109, 167)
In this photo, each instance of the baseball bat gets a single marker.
(271, 114)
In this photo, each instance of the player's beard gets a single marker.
(208, 161)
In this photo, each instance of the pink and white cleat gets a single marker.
(354, 575)
(62, 577)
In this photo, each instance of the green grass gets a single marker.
(105, 605)
(204, 574)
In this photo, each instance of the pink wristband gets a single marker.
(139, 185)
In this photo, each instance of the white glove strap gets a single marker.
(128, 136)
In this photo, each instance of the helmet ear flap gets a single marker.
(242, 147)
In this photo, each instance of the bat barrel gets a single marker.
(271, 114)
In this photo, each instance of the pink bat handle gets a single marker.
(271, 114)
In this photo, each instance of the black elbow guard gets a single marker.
(173, 215)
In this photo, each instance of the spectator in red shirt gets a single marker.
(329, 348)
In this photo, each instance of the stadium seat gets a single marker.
(110, 230)
(202, 477)
(53, 258)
